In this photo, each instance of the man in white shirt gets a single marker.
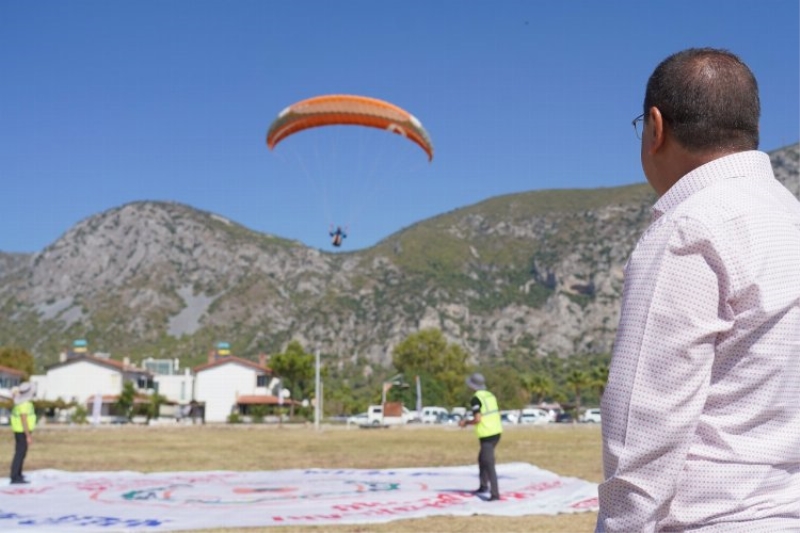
(701, 414)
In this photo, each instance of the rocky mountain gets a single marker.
(539, 271)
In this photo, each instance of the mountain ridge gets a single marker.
(539, 271)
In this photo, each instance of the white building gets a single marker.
(80, 378)
(177, 388)
(220, 383)
(224, 385)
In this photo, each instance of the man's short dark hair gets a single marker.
(708, 98)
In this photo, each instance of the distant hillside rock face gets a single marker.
(11, 264)
(786, 163)
(539, 271)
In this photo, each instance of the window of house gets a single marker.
(145, 382)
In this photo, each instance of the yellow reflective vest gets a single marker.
(490, 415)
(25, 408)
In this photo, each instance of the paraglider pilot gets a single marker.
(337, 236)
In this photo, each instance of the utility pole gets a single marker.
(280, 403)
(317, 396)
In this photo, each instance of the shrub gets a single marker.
(80, 415)
(258, 413)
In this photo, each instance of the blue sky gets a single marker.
(104, 103)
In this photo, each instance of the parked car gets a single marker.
(433, 415)
(552, 414)
(359, 419)
(508, 418)
(564, 418)
(448, 419)
(534, 416)
(459, 411)
(591, 416)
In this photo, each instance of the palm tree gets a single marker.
(578, 380)
(539, 386)
(599, 378)
(153, 409)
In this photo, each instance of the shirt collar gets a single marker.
(729, 166)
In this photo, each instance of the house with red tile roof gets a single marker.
(81, 377)
(9, 378)
(229, 384)
(224, 385)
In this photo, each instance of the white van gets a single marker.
(395, 413)
(432, 415)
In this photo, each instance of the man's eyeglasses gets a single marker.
(638, 125)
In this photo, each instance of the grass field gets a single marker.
(568, 450)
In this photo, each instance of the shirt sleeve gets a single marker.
(674, 307)
(475, 405)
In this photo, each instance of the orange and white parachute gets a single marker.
(343, 109)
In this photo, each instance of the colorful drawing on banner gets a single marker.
(65, 501)
(187, 494)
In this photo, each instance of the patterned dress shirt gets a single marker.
(701, 413)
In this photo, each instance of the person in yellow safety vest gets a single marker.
(486, 419)
(23, 422)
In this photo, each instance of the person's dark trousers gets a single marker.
(488, 474)
(20, 451)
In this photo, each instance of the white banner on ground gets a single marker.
(61, 501)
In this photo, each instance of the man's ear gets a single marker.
(656, 130)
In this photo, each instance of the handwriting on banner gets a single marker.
(530, 491)
(79, 520)
(589, 503)
(100, 484)
(25, 490)
(441, 501)
(426, 473)
(382, 508)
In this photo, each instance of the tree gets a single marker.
(599, 378)
(124, 404)
(578, 380)
(427, 353)
(153, 408)
(507, 386)
(539, 386)
(341, 401)
(18, 359)
(295, 367)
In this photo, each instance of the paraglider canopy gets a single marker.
(342, 109)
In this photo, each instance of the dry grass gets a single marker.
(567, 450)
